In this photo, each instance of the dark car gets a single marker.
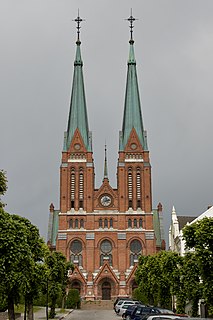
(127, 314)
(140, 311)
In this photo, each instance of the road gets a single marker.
(93, 315)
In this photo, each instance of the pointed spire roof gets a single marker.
(105, 164)
(132, 107)
(78, 110)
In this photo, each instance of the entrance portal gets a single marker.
(76, 285)
(106, 291)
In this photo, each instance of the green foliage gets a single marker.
(138, 295)
(21, 254)
(73, 300)
(3, 185)
(158, 278)
(57, 278)
(3, 301)
(166, 276)
(199, 236)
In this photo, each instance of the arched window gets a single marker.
(82, 223)
(100, 223)
(129, 223)
(130, 187)
(76, 252)
(138, 184)
(135, 223)
(81, 188)
(140, 223)
(111, 223)
(105, 252)
(72, 188)
(105, 223)
(70, 224)
(76, 223)
(135, 251)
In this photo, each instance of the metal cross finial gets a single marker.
(131, 19)
(105, 163)
(78, 20)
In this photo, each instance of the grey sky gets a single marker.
(174, 53)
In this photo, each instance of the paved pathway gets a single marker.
(93, 315)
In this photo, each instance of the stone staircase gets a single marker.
(97, 305)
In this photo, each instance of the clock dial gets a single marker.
(106, 200)
(133, 146)
(77, 146)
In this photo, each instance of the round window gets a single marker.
(76, 246)
(135, 246)
(106, 246)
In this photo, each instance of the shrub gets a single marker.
(3, 303)
(73, 299)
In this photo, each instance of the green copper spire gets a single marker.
(105, 164)
(132, 107)
(78, 111)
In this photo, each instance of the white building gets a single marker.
(176, 242)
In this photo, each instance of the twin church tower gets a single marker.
(104, 231)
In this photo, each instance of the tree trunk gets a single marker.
(30, 315)
(52, 309)
(11, 312)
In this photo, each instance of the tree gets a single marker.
(3, 185)
(158, 277)
(57, 277)
(35, 277)
(199, 237)
(15, 258)
(190, 281)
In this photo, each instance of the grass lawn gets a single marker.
(20, 308)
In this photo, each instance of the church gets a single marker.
(103, 231)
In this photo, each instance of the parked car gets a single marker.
(123, 309)
(121, 303)
(161, 316)
(121, 298)
(127, 314)
(140, 311)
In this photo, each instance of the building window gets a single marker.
(106, 252)
(135, 223)
(135, 251)
(76, 252)
(130, 187)
(111, 223)
(70, 224)
(138, 184)
(129, 223)
(105, 223)
(100, 223)
(72, 188)
(82, 223)
(76, 223)
(140, 223)
(81, 188)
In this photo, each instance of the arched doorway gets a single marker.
(76, 285)
(106, 290)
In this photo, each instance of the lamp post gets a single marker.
(47, 298)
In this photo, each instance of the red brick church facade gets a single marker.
(104, 231)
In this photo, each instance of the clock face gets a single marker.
(106, 200)
(77, 146)
(133, 146)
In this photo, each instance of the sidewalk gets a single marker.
(41, 314)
